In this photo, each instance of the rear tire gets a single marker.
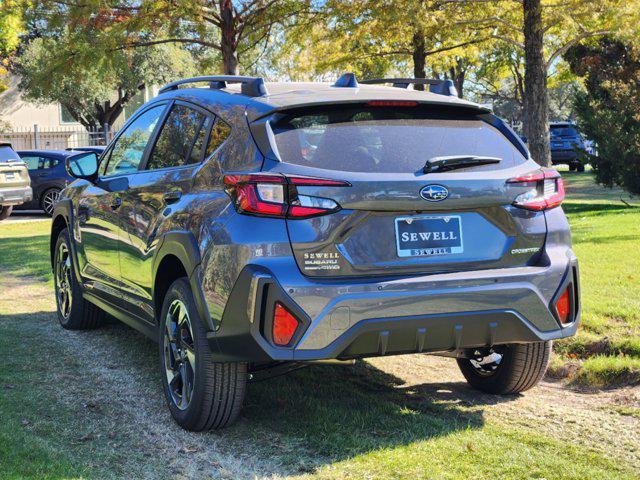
(5, 212)
(201, 394)
(580, 167)
(521, 367)
(74, 312)
(49, 199)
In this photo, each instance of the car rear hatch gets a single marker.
(384, 214)
(13, 171)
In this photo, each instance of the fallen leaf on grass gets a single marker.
(93, 407)
(189, 449)
(470, 447)
(87, 437)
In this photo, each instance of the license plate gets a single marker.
(429, 235)
(10, 176)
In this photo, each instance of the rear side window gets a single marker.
(7, 154)
(219, 133)
(181, 139)
(387, 140)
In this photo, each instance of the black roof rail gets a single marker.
(441, 87)
(250, 86)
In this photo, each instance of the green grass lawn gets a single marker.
(88, 404)
(606, 239)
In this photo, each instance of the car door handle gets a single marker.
(115, 204)
(172, 196)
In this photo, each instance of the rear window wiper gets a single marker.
(455, 162)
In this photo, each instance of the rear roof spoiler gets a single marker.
(441, 87)
(250, 86)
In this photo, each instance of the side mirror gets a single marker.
(83, 165)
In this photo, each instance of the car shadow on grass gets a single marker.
(291, 424)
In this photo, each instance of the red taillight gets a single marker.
(274, 195)
(284, 325)
(563, 307)
(547, 190)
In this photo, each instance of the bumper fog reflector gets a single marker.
(563, 307)
(284, 325)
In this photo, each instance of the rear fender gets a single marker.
(183, 246)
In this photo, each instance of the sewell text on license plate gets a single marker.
(431, 235)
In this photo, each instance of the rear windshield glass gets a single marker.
(385, 139)
(563, 132)
(7, 154)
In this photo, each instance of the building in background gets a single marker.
(27, 125)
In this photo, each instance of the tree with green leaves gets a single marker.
(11, 27)
(233, 29)
(609, 110)
(95, 93)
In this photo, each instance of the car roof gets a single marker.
(286, 95)
(50, 153)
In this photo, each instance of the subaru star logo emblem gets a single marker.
(434, 193)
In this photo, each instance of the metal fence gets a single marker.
(56, 138)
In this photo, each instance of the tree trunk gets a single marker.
(228, 40)
(536, 100)
(458, 73)
(419, 58)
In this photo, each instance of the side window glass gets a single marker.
(33, 163)
(219, 133)
(180, 140)
(129, 148)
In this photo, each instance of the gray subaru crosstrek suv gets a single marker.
(254, 228)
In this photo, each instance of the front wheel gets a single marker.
(201, 394)
(507, 369)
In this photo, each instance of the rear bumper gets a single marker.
(15, 196)
(559, 156)
(434, 313)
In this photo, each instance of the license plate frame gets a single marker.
(441, 247)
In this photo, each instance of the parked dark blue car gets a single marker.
(48, 177)
(566, 145)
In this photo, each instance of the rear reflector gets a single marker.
(284, 325)
(563, 307)
(547, 190)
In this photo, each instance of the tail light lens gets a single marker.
(272, 195)
(284, 325)
(547, 190)
(563, 307)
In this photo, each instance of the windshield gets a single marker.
(386, 140)
(564, 132)
(7, 154)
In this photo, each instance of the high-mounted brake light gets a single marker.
(392, 103)
(547, 190)
(274, 195)
(284, 325)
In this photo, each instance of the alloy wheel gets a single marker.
(488, 363)
(49, 200)
(63, 279)
(179, 354)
